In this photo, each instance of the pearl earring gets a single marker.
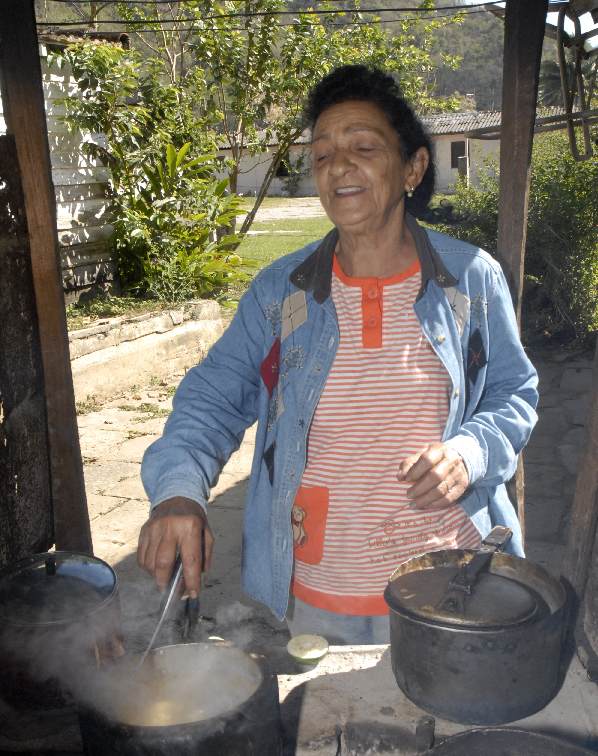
(410, 191)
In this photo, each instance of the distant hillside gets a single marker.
(479, 41)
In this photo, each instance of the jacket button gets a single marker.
(440, 338)
(373, 293)
(456, 394)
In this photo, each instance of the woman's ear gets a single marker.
(418, 165)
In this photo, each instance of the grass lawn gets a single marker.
(272, 239)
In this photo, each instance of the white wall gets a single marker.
(478, 149)
(80, 187)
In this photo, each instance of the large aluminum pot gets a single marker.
(486, 651)
(59, 613)
(196, 698)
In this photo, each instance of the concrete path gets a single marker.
(292, 207)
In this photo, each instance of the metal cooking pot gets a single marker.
(59, 612)
(476, 637)
(493, 741)
(506, 742)
(196, 698)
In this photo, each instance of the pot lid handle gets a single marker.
(463, 584)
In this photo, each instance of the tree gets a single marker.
(258, 67)
(550, 90)
(167, 208)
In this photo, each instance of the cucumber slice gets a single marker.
(308, 649)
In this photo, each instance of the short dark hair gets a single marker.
(362, 83)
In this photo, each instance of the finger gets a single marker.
(431, 480)
(165, 557)
(142, 546)
(438, 497)
(446, 494)
(208, 547)
(191, 558)
(406, 465)
(427, 460)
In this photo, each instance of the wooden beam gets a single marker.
(524, 33)
(25, 116)
(584, 512)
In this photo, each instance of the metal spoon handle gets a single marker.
(170, 597)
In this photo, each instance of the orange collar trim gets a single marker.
(363, 282)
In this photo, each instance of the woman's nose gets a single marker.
(340, 163)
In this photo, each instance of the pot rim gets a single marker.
(267, 678)
(530, 574)
(67, 621)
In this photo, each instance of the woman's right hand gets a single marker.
(176, 525)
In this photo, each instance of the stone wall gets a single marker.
(112, 355)
(552, 456)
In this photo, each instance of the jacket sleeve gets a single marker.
(490, 440)
(213, 406)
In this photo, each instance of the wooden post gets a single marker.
(524, 33)
(26, 525)
(584, 512)
(26, 121)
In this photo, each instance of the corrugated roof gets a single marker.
(450, 123)
(462, 123)
(57, 37)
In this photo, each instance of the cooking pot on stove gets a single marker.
(59, 613)
(195, 698)
(504, 741)
(494, 741)
(476, 636)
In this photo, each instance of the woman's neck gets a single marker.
(376, 254)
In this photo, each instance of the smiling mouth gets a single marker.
(348, 191)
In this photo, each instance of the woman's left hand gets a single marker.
(439, 475)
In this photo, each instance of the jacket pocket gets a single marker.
(308, 518)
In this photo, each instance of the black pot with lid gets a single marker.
(476, 636)
(59, 612)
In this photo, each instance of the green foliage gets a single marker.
(170, 213)
(258, 71)
(296, 169)
(477, 43)
(562, 249)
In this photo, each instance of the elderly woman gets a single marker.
(385, 370)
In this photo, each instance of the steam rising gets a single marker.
(177, 684)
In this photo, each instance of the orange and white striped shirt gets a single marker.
(387, 395)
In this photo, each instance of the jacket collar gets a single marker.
(315, 272)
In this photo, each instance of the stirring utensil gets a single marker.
(192, 615)
(175, 581)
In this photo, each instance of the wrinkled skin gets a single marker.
(181, 525)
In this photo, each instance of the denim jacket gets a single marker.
(271, 365)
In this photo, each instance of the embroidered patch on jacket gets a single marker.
(479, 309)
(269, 461)
(476, 356)
(270, 367)
(459, 304)
(272, 313)
(294, 313)
(293, 358)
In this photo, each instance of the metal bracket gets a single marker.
(576, 87)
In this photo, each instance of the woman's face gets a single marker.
(357, 165)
